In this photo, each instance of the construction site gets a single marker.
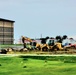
(47, 45)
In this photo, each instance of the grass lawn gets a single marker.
(38, 65)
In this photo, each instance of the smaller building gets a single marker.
(6, 31)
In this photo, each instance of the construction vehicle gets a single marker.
(33, 44)
(52, 44)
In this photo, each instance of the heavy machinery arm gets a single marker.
(23, 40)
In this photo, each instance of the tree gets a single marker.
(64, 37)
(43, 40)
(51, 37)
(47, 37)
(59, 39)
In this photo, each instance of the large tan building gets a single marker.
(6, 31)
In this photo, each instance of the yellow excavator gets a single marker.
(33, 43)
(23, 40)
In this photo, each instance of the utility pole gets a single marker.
(41, 35)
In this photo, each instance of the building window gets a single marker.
(1, 29)
(8, 29)
(6, 36)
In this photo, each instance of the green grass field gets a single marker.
(38, 65)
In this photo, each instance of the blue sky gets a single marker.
(35, 17)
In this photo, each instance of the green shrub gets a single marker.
(0, 65)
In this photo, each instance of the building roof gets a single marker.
(1, 19)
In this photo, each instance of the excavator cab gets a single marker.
(33, 44)
(51, 42)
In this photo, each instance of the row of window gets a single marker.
(6, 33)
(5, 23)
(6, 42)
(7, 29)
(6, 39)
(6, 36)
